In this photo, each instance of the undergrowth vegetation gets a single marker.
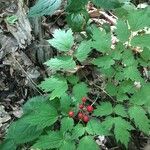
(96, 87)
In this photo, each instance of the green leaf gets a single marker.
(128, 58)
(56, 85)
(91, 144)
(141, 96)
(109, 72)
(107, 4)
(141, 40)
(120, 110)
(145, 54)
(80, 90)
(73, 79)
(94, 127)
(63, 63)
(65, 102)
(63, 40)
(68, 145)
(83, 50)
(122, 31)
(136, 23)
(78, 20)
(101, 40)
(104, 62)
(75, 6)
(111, 89)
(108, 123)
(121, 97)
(7, 145)
(50, 141)
(132, 73)
(44, 7)
(34, 103)
(22, 132)
(77, 131)
(11, 19)
(141, 121)
(116, 53)
(121, 130)
(66, 124)
(126, 87)
(43, 116)
(104, 109)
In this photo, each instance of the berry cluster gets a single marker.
(84, 111)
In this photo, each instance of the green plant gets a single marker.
(125, 107)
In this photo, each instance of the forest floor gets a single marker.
(21, 61)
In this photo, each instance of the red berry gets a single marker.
(80, 115)
(71, 114)
(89, 108)
(85, 118)
(84, 99)
(81, 106)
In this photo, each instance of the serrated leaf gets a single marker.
(120, 110)
(121, 130)
(126, 87)
(66, 124)
(122, 31)
(73, 79)
(77, 131)
(108, 123)
(104, 62)
(94, 127)
(63, 63)
(141, 121)
(65, 102)
(141, 96)
(128, 58)
(107, 4)
(136, 23)
(33, 104)
(145, 54)
(141, 40)
(131, 72)
(101, 40)
(68, 145)
(20, 130)
(109, 72)
(56, 85)
(104, 109)
(91, 144)
(78, 20)
(44, 7)
(43, 116)
(111, 89)
(83, 50)
(63, 40)
(116, 53)
(50, 141)
(80, 90)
